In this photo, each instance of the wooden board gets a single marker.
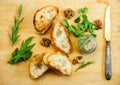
(92, 75)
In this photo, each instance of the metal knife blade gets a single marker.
(108, 67)
(107, 24)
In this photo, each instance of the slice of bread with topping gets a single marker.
(37, 67)
(60, 38)
(44, 17)
(60, 63)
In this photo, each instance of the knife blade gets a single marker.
(108, 67)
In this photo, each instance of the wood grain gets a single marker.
(92, 75)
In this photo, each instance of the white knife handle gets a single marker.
(108, 68)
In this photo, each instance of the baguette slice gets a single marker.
(45, 58)
(60, 38)
(44, 17)
(37, 67)
(60, 63)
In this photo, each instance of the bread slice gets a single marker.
(37, 66)
(45, 58)
(44, 17)
(60, 63)
(60, 38)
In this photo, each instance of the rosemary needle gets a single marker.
(14, 35)
(84, 65)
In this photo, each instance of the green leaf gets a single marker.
(19, 11)
(15, 52)
(81, 37)
(15, 20)
(23, 53)
(14, 35)
(77, 20)
(84, 42)
(83, 11)
(26, 55)
(93, 33)
(25, 43)
(84, 65)
(76, 31)
(65, 23)
(80, 26)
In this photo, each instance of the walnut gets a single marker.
(98, 24)
(69, 13)
(45, 42)
(77, 60)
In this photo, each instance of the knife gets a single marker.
(108, 67)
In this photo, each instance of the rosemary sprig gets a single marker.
(84, 41)
(14, 35)
(23, 53)
(84, 65)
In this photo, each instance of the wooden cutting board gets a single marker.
(91, 75)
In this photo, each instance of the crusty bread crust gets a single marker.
(41, 21)
(67, 39)
(36, 64)
(57, 67)
(45, 57)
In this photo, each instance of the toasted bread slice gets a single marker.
(44, 17)
(45, 58)
(60, 63)
(60, 38)
(37, 66)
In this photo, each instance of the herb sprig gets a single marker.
(83, 24)
(84, 65)
(14, 35)
(23, 53)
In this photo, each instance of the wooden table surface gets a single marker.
(92, 75)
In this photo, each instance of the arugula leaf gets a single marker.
(14, 35)
(65, 23)
(75, 31)
(83, 11)
(84, 26)
(77, 20)
(81, 26)
(91, 29)
(23, 53)
(84, 65)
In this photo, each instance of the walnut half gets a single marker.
(77, 60)
(98, 24)
(45, 42)
(69, 13)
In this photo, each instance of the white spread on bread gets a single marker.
(60, 38)
(60, 63)
(37, 67)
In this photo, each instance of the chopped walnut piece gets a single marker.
(45, 42)
(74, 61)
(98, 24)
(77, 60)
(69, 13)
